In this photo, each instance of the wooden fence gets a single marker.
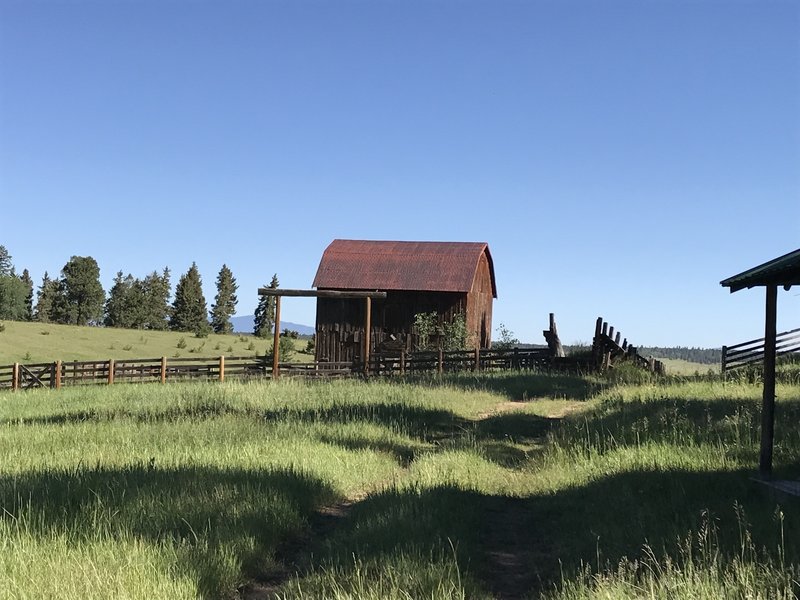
(748, 353)
(607, 349)
(163, 370)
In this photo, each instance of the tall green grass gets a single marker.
(192, 490)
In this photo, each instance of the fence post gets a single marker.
(515, 360)
(402, 362)
(163, 369)
(222, 369)
(15, 377)
(111, 366)
(722, 366)
(477, 358)
(597, 344)
(440, 362)
(58, 374)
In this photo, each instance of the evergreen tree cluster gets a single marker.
(77, 297)
(139, 303)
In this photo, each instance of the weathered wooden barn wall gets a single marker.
(419, 277)
(340, 323)
(479, 304)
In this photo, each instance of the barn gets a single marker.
(418, 277)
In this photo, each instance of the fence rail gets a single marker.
(751, 352)
(608, 349)
(149, 370)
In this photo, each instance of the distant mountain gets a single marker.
(244, 324)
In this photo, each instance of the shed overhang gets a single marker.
(781, 271)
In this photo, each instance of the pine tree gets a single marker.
(123, 306)
(189, 312)
(81, 296)
(154, 291)
(264, 318)
(45, 296)
(225, 301)
(12, 298)
(26, 279)
(6, 266)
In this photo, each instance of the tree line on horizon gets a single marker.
(77, 297)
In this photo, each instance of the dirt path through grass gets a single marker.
(291, 554)
(509, 545)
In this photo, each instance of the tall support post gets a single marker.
(222, 369)
(477, 366)
(723, 365)
(58, 375)
(276, 339)
(163, 369)
(15, 377)
(367, 332)
(111, 367)
(768, 403)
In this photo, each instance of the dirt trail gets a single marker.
(510, 550)
(290, 553)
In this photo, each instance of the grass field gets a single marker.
(678, 366)
(46, 342)
(491, 486)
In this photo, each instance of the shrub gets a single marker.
(506, 339)
(181, 343)
(285, 350)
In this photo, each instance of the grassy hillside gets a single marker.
(678, 366)
(475, 486)
(45, 342)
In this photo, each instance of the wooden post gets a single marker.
(222, 369)
(276, 339)
(722, 366)
(402, 362)
(768, 401)
(552, 339)
(15, 377)
(367, 333)
(477, 358)
(597, 344)
(58, 375)
(163, 369)
(440, 362)
(111, 371)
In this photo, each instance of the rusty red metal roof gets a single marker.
(417, 266)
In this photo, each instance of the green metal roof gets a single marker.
(784, 270)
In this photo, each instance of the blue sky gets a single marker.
(619, 157)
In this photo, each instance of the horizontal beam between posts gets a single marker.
(319, 293)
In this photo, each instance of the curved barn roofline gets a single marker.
(402, 265)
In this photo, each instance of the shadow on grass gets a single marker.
(222, 521)
(519, 547)
(404, 454)
(732, 424)
(520, 386)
